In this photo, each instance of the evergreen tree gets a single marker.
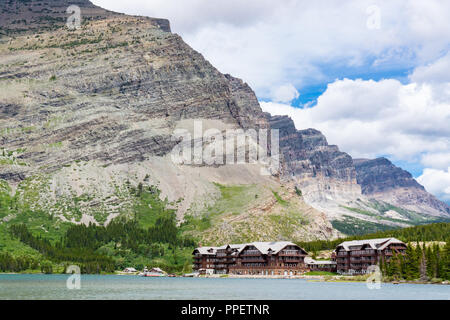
(430, 263)
(446, 261)
(395, 264)
(422, 263)
(438, 266)
(411, 270)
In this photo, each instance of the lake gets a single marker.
(111, 287)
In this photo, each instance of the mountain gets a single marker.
(381, 180)
(355, 194)
(87, 119)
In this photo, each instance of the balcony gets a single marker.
(251, 253)
(291, 259)
(290, 254)
(363, 253)
(257, 260)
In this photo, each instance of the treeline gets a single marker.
(89, 261)
(424, 263)
(431, 232)
(87, 246)
(8, 263)
(128, 233)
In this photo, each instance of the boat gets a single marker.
(191, 275)
(154, 272)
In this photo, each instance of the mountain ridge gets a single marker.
(88, 113)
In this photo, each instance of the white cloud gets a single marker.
(373, 118)
(437, 182)
(436, 72)
(440, 160)
(285, 93)
(269, 44)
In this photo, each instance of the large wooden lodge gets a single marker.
(257, 258)
(355, 257)
(288, 259)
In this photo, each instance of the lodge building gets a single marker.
(320, 265)
(355, 257)
(257, 258)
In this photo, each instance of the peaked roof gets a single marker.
(263, 247)
(207, 250)
(274, 247)
(377, 244)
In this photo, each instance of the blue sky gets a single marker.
(312, 91)
(372, 75)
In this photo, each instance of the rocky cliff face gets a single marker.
(382, 180)
(86, 113)
(372, 191)
(323, 173)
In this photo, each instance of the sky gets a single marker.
(373, 76)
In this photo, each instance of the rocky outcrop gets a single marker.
(84, 111)
(245, 106)
(112, 92)
(332, 181)
(21, 16)
(382, 180)
(322, 171)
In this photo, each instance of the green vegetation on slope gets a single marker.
(233, 200)
(246, 213)
(150, 238)
(149, 207)
(377, 216)
(6, 201)
(15, 247)
(353, 226)
(382, 214)
(279, 199)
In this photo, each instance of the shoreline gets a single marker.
(311, 278)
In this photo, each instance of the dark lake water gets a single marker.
(54, 287)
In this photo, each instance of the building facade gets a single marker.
(320, 265)
(355, 257)
(257, 258)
